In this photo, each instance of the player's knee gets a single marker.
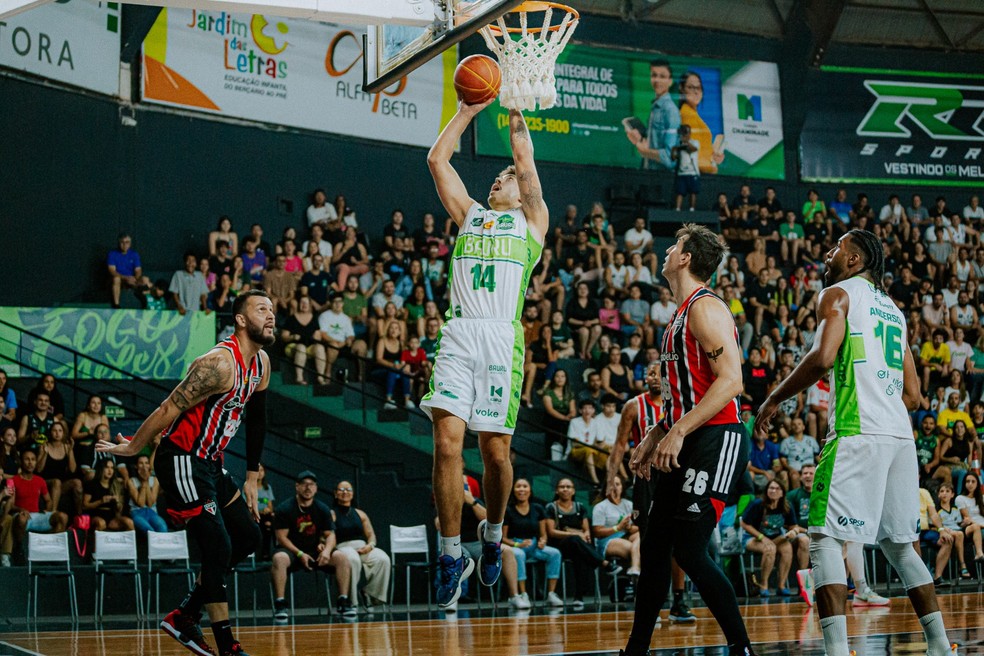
(828, 561)
(912, 570)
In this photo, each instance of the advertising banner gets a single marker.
(732, 107)
(76, 42)
(296, 73)
(153, 345)
(894, 127)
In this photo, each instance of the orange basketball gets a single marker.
(477, 79)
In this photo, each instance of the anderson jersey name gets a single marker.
(491, 265)
(866, 383)
(205, 429)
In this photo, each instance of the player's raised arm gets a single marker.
(450, 188)
(210, 374)
(530, 191)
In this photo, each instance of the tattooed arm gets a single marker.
(210, 374)
(530, 192)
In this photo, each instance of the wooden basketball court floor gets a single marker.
(776, 628)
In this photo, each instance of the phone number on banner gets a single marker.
(538, 124)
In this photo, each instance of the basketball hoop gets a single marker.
(527, 62)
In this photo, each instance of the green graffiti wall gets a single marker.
(154, 345)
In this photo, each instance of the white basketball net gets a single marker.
(527, 62)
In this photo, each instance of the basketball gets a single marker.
(477, 79)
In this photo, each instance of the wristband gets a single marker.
(516, 543)
(759, 537)
(300, 553)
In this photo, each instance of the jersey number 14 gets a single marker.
(483, 277)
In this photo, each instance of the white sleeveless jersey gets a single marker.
(866, 382)
(490, 270)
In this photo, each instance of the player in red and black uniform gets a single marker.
(700, 446)
(198, 419)
(639, 415)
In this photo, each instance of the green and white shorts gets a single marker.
(478, 373)
(867, 490)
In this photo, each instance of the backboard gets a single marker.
(392, 51)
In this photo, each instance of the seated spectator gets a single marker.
(955, 451)
(418, 366)
(569, 530)
(431, 337)
(337, 332)
(540, 364)
(473, 513)
(607, 432)
(797, 450)
(266, 500)
(29, 491)
(525, 530)
(971, 506)
(759, 378)
(355, 306)
(8, 397)
(817, 406)
(103, 499)
(770, 524)
(254, 260)
(6, 525)
(799, 501)
(56, 464)
(380, 300)
(207, 274)
(356, 540)
(927, 451)
(763, 461)
(426, 235)
(592, 390)
(546, 285)
(956, 386)
(36, 426)
(390, 366)
(281, 286)
(317, 234)
(188, 288)
(48, 385)
(616, 378)
(945, 521)
(350, 259)
(157, 295)
(125, 270)
(558, 402)
(582, 433)
(635, 315)
(614, 533)
(616, 277)
(611, 321)
(414, 277)
(793, 239)
(661, 313)
(303, 339)
(319, 211)
(565, 234)
(223, 232)
(306, 540)
(346, 214)
(223, 261)
(143, 489)
(293, 264)
(951, 413)
(9, 456)
(582, 317)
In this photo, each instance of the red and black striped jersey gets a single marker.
(648, 415)
(685, 368)
(205, 429)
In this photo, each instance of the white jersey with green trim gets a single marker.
(490, 270)
(866, 383)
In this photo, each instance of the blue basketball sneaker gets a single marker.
(490, 562)
(451, 573)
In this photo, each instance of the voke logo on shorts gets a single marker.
(845, 521)
(210, 507)
(484, 412)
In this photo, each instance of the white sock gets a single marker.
(835, 635)
(936, 640)
(493, 532)
(451, 546)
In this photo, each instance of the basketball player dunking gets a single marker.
(198, 419)
(867, 485)
(478, 371)
(639, 416)
(700, 445)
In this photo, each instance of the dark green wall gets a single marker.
(72, 177)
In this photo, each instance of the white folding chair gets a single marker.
(48, 556)
(169, 548)
(410, 540)
(116, 555)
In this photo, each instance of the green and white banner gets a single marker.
(894, 127)
(732, 107)
(149, 344)
(72, 41)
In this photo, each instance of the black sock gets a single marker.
(677, 596)
(223, 635)
(192, 604)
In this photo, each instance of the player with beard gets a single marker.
(866, 487)
(639, 416)
(198, 419)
